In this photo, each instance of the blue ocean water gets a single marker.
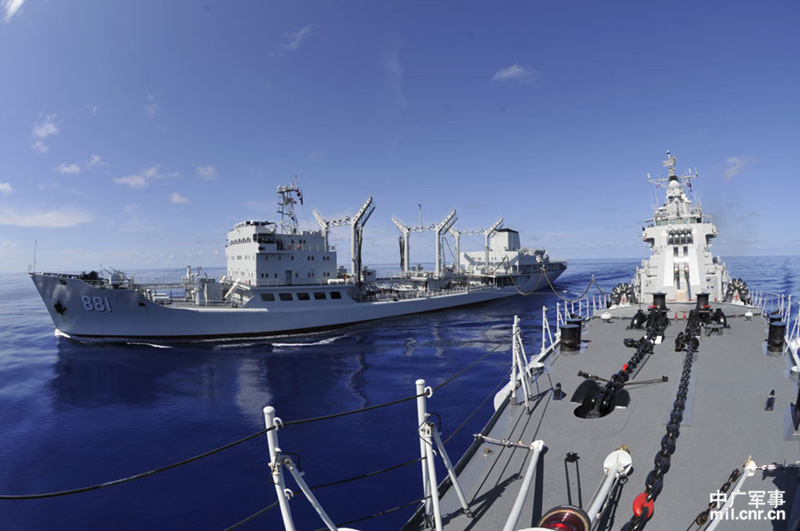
(73, 414)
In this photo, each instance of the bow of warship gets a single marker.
(669, 403)
(672, 406)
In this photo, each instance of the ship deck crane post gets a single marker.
(356, 223)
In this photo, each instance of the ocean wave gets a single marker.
(325, 341)
(143, 344)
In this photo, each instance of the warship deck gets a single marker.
(724, 423)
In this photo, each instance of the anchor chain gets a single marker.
(702, 518)
(657, 321)
(643, 504)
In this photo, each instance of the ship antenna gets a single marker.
(670, 163)
(286, 204)
(35, 242)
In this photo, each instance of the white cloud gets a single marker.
(736, 165)
(46, 220)
(137, 182)
(178, 199)
(515, 72)
(296, 38)
(96, 161)
(207, 173)
(141, 180)
(71, 168)
(46, 126)
(6, 188)
(11, 7)
(152, 103)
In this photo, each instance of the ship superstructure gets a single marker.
(679, 234)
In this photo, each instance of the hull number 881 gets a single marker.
(96, 304)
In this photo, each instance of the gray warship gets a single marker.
(669, 403)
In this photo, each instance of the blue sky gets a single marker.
(135, 134)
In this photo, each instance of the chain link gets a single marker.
(654, 482)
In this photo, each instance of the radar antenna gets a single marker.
(670, 164)
(663, 182)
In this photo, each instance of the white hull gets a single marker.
(81, 310)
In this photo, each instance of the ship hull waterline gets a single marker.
(126, 314)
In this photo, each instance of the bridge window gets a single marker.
(319, 295)
(302, 296)
(336, 295)
(268, 297)
(286, 296)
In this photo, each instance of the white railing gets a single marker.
(769, 302)
(584, 308)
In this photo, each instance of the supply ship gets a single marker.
(284, 280)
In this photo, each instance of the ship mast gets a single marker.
(286, 204)
(662, 182)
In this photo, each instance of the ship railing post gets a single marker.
(450, 470)
(433, 484)
(422, 415)
(273, 423)
(518, 353)
(544, 325)
(512, 380)
(426, 449)
(513, 518)
(788, 320)
(289, 464)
